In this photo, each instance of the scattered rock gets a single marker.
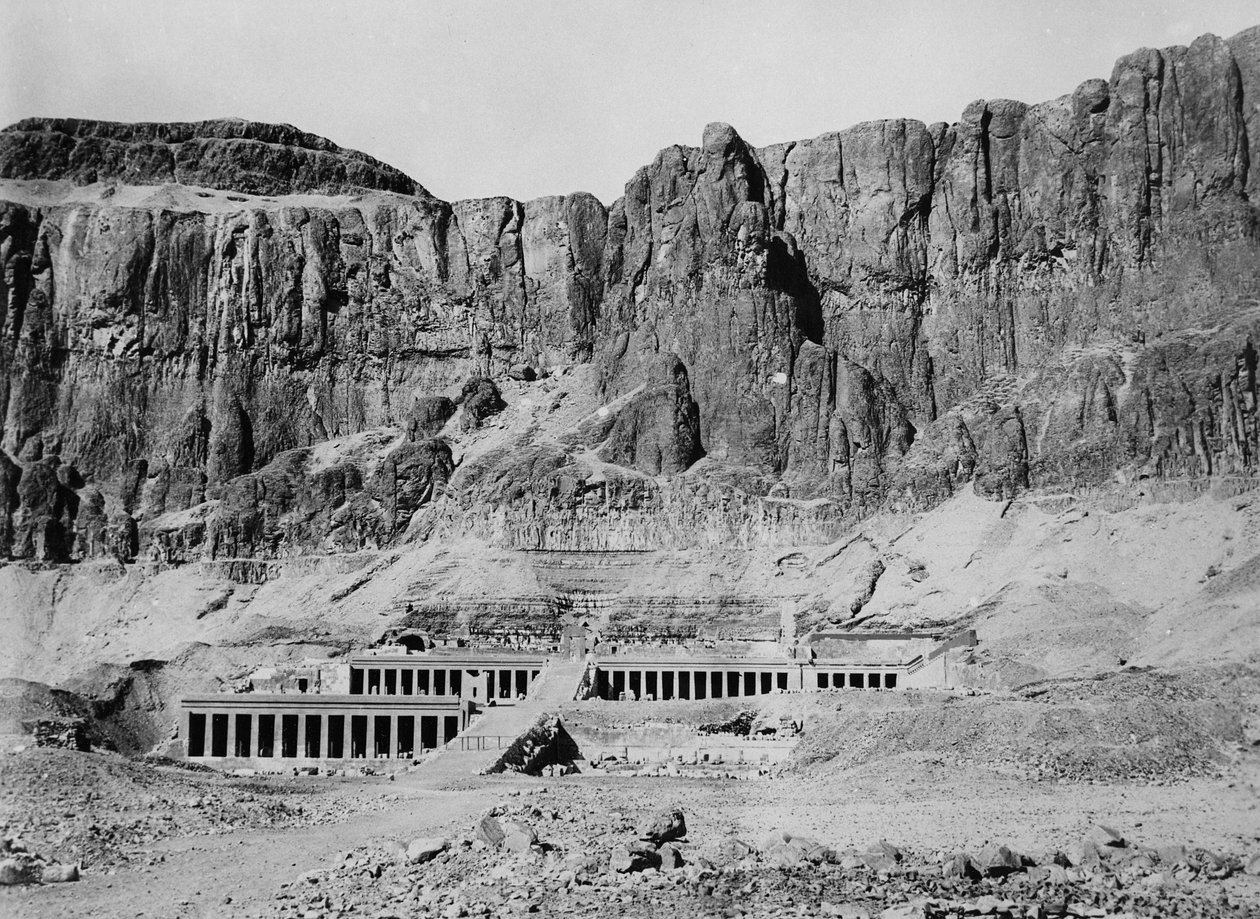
(518, 836)
(998, 861)
(663, 826)
(670, 857)
(962, 865)
(426, 848)
(13, 871)
(489, 831)
(60, 874)
(633, 857)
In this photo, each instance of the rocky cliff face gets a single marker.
(232, 154)
(230, 340)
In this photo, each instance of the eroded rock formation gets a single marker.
(1054, 294)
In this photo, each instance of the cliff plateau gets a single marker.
(240, 352)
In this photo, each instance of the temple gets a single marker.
(415, 694)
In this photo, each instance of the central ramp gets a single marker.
(495, 728)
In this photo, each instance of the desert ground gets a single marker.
(885, 790)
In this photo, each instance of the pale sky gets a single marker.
(525, 99)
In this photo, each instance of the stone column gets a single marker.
(323, 737)
(393, 749)
(231, 734)
(301, 736)
(255, 733)
(207, 747)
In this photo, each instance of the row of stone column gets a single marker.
(717, 684)
(406, 681)
(857, 680)
(688, 684)
(334, 736)
(439, 681)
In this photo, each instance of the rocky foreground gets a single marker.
(526, 857)
(940, 814)
(594, 846)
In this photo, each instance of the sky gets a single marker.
(526, 99)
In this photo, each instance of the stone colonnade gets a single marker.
(856, 679)
(659, 681)
(336, 733)
(480, 682)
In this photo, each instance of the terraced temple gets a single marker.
(405, 699)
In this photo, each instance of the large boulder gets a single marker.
(633, 857)
(489, 831)
(518, 835)
(785, 849)
(410, 477)
(481, 399)
(60, 874)
(425, 849)
(998, 861)
(428, 416)
(663, 826)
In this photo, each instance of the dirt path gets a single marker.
(200, 873)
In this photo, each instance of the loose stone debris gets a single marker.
(580, 864)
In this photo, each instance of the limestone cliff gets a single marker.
(229, 340)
